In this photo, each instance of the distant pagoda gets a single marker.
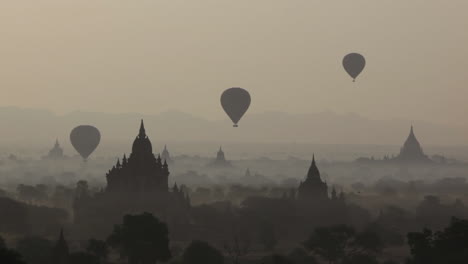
(220, 160)
(411, 150)
(313, 188)
(56, 152)
(165, 156)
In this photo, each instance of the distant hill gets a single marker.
(32, 126)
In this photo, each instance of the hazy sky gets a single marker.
(152, 56)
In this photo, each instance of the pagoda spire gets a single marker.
(60, 252)
(411, 136)
(142, 133)
(313, 170)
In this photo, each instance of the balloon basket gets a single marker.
(235, 125)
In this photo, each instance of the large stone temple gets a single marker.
(410, 153)
(141, 172)
(313, 188)
(138, 183)
(412, 150)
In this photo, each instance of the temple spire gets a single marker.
(60, 253)
(313, 187)
(313, 170)
(142, 133)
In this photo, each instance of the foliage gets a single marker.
(446, 246)
(83, 258)
(141, 239)
(202, 252)
(341, 243)
(10, 256)
(98, 248)
(35, 250)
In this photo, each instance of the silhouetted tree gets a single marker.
(142, 239)
(83, 258)
(14, 216)
(361, 259)
(202, 252)
(446, 246)
(341, 243)
(300, 256)
(99, 249)
(330, 242)
(239, 246)
(35, 250)
(276, 259)
(421, 245)
(367, 242)
(267, 236)
(10, 256)
(390, 262)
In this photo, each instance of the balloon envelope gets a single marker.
(235, 102)
(85, 139)
(354, 63)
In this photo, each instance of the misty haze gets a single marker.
(236, 132)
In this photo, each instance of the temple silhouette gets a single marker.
(412, 150)
(220, 160)
(166, 156)
(141, 172)
(60, 252)
(56, 152)
(137, 184)
(313, 187)
(410, 153)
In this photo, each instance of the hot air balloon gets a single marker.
(85, 139)
(235, 102)
(354, 63)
